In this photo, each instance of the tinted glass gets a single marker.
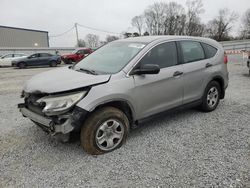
(18, 55)
(209, 50)
(192, 51)
(34, 56)
(8, 56)
(80, 52)
(110, 58)
(86, 51)
(164, 55)
(45, 55)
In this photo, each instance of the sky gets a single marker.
(58, 16)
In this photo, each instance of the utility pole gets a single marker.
(77, 37)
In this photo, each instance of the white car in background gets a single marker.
(6, 60)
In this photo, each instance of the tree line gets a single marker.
(93, 41)
(171, 18)
(175, 19)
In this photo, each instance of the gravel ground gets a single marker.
(184, 149)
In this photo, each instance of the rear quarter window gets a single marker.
(210, 51)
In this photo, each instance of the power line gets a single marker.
(84, 26)
(92, 28)
(63, 32)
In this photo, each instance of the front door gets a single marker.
(33, 60)
(159, 92)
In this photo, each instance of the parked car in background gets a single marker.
(76, 55)
(37, 59)
(5, 60)
(124, 83)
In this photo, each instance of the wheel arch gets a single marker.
(220, 80)
(120, 104)
(21, 62)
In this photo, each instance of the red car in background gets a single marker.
(76, 55)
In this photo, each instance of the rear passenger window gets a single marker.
(164, 55)
(192, 51)
(86, 51)
(45, 55)
(209, 50)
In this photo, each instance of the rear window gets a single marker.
(18, 55)
(192, 51)
(86, 51)
(209, 50)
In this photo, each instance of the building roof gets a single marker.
(7, 27)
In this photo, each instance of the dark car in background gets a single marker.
(76, 55)
(248, 63)
(37, 59)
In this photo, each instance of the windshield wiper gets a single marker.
(88, 71)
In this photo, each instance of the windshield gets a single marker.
(110, 58)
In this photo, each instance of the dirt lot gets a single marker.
(184, 149)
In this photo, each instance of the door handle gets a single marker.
(177, 73)
(208, 65)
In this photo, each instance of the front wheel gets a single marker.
(105, 130)
(211, 97)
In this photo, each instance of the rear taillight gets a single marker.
(225, 58)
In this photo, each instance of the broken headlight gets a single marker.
(56, 104)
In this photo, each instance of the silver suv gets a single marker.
(123, 83)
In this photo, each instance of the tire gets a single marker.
(108, 124)
(53, 63)
(211, 97)
(69, 61)
(21, 65)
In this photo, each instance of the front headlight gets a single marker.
(56, 104)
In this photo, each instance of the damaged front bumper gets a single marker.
(71, 121)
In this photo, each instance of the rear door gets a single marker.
(196, 70)
(159, 92)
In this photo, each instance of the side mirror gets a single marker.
(146, 69)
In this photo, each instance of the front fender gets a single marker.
(113, 91)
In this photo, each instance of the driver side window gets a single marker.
(34, 56)
(164, 55)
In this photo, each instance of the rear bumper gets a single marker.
(72, 121)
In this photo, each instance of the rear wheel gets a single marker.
(105, 130)
(22, 65)
(211, 97)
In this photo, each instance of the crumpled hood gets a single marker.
(62, 79)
